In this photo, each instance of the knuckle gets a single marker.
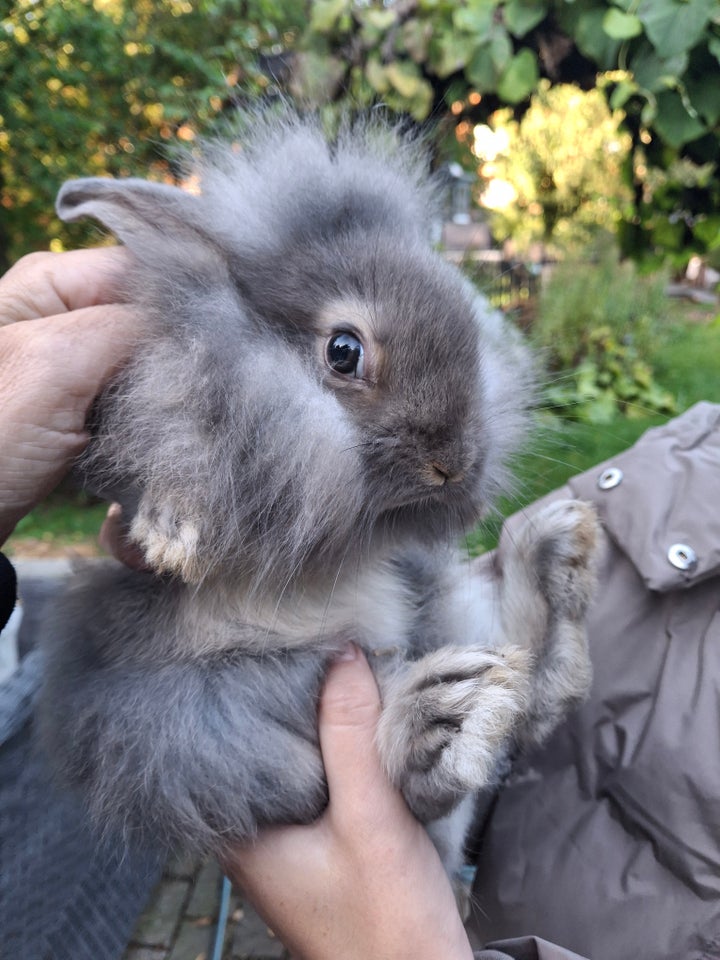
(31, 261)
(32, 348)
(350, 707)
(25, 270)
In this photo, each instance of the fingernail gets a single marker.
(348, 652)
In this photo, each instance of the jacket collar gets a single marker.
(660, 500)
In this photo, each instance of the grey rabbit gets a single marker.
(321, 407)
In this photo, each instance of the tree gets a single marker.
(658, 60)
(104, 86)
(563, 161)
(95, 87)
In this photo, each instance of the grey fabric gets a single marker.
(607, 841)
(63, 896)
(525, 948)
(491, 955)
(16, 696)
(669, 494)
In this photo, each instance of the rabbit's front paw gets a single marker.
(549, 585)
(562, 543)
(169, 540)
(446, 721)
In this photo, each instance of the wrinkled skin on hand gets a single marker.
(62, 337)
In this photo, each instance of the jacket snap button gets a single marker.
(682, 556)
(610, 478)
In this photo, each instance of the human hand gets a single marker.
(364, 880)
(61, 338)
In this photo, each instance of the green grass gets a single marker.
(63, 520)
(557, 451)
(686, 358)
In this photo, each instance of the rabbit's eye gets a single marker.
(345, 354)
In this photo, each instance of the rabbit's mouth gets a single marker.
(436, 515)
(445, 490)
(430, 496)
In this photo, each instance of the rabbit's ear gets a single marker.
(133, 209)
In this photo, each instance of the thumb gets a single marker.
(349, 711)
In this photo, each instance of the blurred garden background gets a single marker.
(579, 141)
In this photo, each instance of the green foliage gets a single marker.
(684, 355)
(685, 358)
(659, 62)
(611, 379)
(578, 298)
(596, 327)
(109, 87)
(564, 161)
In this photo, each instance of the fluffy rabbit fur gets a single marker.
(321, 407)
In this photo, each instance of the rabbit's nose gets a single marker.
(438, 474)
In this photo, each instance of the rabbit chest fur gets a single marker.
(321, 406)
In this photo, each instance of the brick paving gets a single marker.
(180, 920)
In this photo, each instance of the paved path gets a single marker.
(180, 920)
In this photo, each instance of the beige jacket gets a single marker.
(607, 841)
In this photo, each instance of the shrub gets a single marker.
(611, 379)
(595, 327)
(562, 164)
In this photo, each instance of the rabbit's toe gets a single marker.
(562, 545)
(446, 722)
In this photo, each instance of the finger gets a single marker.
(45, 284)
(66, 359)
(50, 371)
(100, 338)
(114, 540)
(349, 711)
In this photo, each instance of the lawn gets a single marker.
(686, 359)
(64, 520)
